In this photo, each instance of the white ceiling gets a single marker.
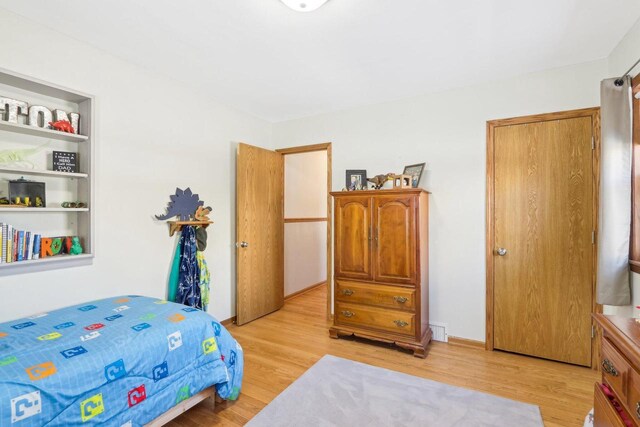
(261, 57)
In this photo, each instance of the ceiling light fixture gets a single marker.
(304, 5)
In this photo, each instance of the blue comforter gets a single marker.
(121, 361)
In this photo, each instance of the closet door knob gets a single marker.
(243, 244)
(502, 251)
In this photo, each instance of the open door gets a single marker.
(259, 232)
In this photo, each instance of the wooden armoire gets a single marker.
(381, 266)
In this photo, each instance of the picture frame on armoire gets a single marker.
(356, 179)
(416, 173)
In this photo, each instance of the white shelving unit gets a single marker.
(40, 132)
(24, 171)
(42, 210)
(52, 220)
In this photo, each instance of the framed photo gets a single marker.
(416, 173)
(356, 179)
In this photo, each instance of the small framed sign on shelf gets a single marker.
(64, 161)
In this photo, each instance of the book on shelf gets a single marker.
(18, 245)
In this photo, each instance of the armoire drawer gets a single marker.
(377, 295)
(394, 321)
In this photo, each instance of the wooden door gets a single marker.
(259, 232)
(394, 239)
(353, 237)
(543, 254)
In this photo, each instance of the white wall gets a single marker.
(446, 130)
(153, 135)
(305, 243)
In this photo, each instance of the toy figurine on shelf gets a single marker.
(202, 214)
(62, 126)
(76, 247)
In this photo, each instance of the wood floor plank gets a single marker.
(283, 345)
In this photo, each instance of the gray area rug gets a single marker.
(341, 392)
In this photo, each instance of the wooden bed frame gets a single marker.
(184, 406)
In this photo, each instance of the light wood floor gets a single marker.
(281, 346)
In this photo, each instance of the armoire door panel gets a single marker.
(394, 239)
(353, 237)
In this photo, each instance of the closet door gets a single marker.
(394, 239)
(544, 228)
(353, 237)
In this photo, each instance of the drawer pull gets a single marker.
(400, 323)
(400, 300)
(347, 313)
(638, 409)
(608, 367)
(347, 292)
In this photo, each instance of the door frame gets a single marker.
(594, 114)
(307, 149)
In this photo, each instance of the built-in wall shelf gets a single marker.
(42, 172)
(45, 133)
(41, 210)
(45, 261)
(53, 220)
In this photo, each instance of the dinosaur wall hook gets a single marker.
(183, 204)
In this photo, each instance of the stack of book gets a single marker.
(18, 245)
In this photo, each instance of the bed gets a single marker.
(123, 361)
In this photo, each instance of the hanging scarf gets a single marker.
(189, 274)
(205, 279)
(175, 273)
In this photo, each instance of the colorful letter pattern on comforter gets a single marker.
(121, 361)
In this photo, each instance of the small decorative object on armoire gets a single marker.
(379, 180)
(402, 181)
(381, 263)
(416, 173)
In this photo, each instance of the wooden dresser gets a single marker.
(381, 261)
(620, 365)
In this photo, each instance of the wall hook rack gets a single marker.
(177, 225)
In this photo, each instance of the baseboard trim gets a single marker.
(464, 342)
(229, 321)
(305, 290)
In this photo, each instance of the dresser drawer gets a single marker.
(615, 369)
(394, 321)
(633, 397)
(378, 295)
(604, 414)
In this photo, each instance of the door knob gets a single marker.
(244, 244)
(502, 251)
